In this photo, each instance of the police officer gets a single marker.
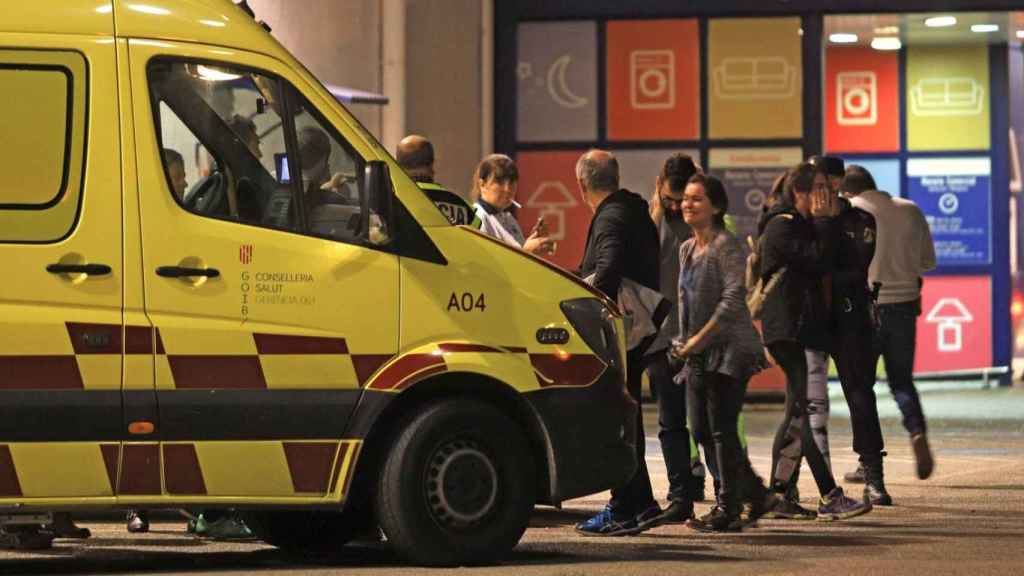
(851, 327)
(415, 154)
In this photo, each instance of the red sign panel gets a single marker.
(547, 188)
(862, 106)
(954, 331)
(653, 80)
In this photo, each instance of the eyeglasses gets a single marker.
(671, 201)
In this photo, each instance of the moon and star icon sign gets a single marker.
(555, 80)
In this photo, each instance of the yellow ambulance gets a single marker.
(221, 292)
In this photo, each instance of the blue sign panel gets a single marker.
(955, 196)
(885, 171)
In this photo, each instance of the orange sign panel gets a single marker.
(547, 188)
(653, 80)
(862, 103)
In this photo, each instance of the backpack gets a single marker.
(757, 288)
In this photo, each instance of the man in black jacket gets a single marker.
(622, 242)
(850, 327)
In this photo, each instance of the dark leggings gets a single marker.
(715, 403)
(794, 439)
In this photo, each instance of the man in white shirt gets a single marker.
(903, 252)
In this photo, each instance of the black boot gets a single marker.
(695, 489)
(757, 499)
(874, 483)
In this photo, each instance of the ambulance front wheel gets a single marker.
(458, 485)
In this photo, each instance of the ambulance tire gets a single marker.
(458, 485)
(305, 533)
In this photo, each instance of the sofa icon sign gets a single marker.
(958, 96)
(950, 314)
(763, 78)
(551, 199)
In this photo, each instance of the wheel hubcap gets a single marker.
(462, 485)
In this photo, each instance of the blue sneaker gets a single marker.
(605, 524)
(837, 506)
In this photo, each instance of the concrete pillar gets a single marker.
(340, 42)
(393, 72)
(443, 84)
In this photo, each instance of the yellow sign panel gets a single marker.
(754, 78)
(947, 98)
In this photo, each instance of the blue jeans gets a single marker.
(894, 342)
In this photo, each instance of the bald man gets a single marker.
(415, 154)
(622, 243)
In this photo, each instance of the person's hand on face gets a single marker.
(823, 201)
(656, 209)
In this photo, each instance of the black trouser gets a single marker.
(895, 342)
(636, 495)
(715, 404)
(794, 439)
(855, 362)
(672, 431)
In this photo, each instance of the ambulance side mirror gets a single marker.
(378, 203)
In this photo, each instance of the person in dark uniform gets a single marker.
(851, 326)
(415, 154)
(622, 243)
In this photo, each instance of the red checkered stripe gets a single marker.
(249, 371)
(315, 468)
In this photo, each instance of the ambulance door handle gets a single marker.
(89, 269)
(183, 272)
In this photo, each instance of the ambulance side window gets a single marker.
(332, 175)
(42, 150)
(226, 125)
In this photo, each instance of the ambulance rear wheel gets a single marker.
(458, 485)
(306, 533)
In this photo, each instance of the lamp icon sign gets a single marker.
(552, 199)
(950, 314)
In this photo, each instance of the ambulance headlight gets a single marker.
(595, 324)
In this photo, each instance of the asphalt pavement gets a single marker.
(965, 519)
